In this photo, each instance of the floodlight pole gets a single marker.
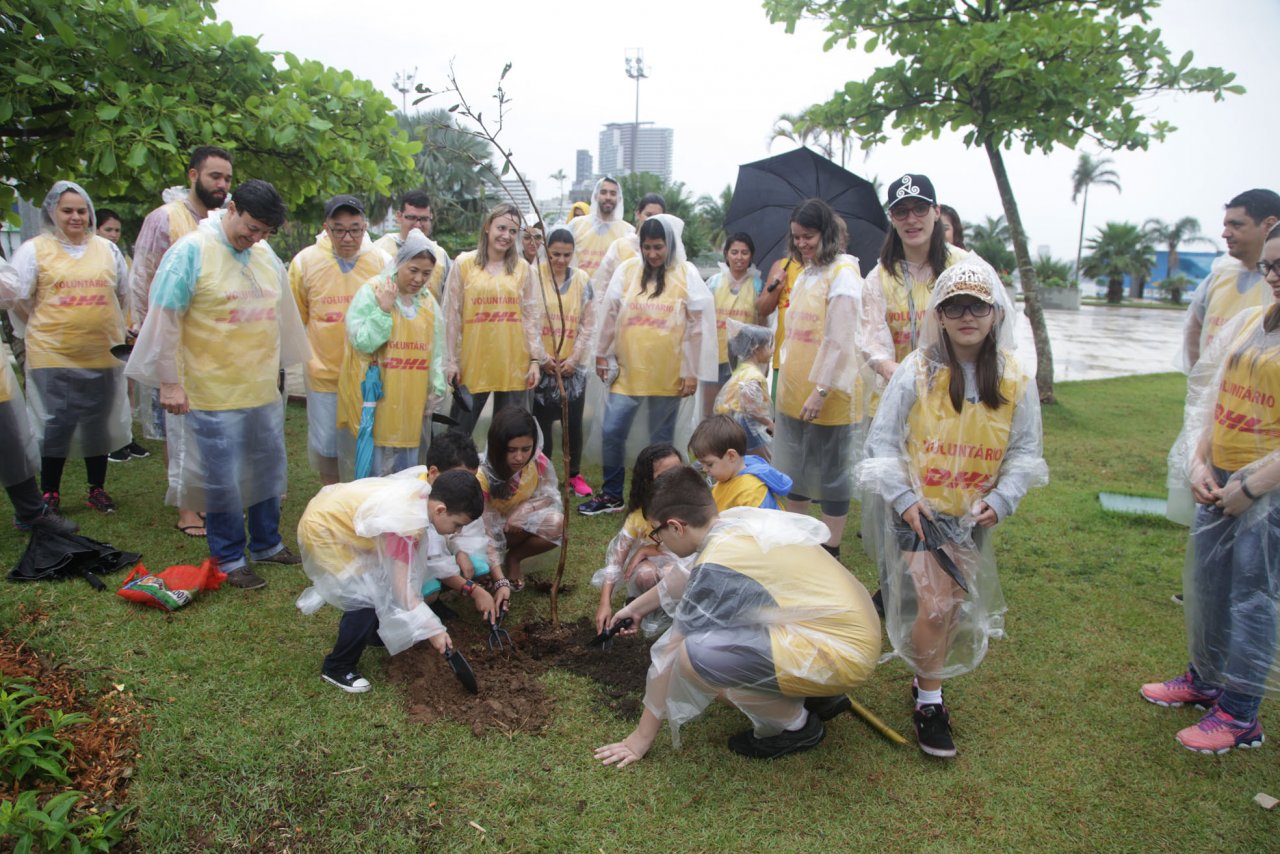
(636, 71)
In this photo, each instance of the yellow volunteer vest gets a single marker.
(390, 244)
(740, 306)
(905, 308)
(1224, 301)
(636, 526)
(405, 365)
(745, 490)
(327, 531)
(323, 292)
(230, 352)
(957, 457)
(77, 318)
(181, 220)
(806, 326)
(729, 401)
(523, 491)
(590, 245)
(494, 354)
(571, 300)
(792, 270)
(1246, 421)
(804, 579)
(650, 334)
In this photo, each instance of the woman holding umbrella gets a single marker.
(70, 291)
(395, 331)
(814, 433)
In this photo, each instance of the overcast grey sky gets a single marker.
(720, 74)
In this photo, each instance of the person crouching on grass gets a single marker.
(765, 620)
(954, 447)
(719, 445)
(367, 547)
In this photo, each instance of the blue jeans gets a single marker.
(228, 443)
(619, 412)
(1235, 583)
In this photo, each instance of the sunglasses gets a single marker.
(901, 211)
(956, 310)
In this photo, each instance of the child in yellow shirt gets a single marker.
(719, 445)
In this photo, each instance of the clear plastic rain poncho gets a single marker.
(745, 395)
(820, 348)
(222, 325)
(1231, 580)
(408, 345)
(920, 449)
(69, 296)
(652, 343)
(764, 616)
(636, 562)
(739, 306)
(370, 544)
(594, 233)
(529, 500)
(568, 319)
(21, 459)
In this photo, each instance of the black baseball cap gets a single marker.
(349, 202)
(911, 187)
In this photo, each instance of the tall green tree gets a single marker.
(1171, 235)
(1089, 171)
(116, 94)
(1040, 74)
(1119, 249)
(714, 211)
(456, 169)
(794, 127)
(697, 240)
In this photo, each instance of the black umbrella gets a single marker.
(768, 190)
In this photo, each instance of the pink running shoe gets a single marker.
(579, 485)
(1178, 692)
(1218, 733)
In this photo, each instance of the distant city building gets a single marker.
(583, 176)
(653, 149)
(513, 192)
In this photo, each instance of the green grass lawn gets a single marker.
(245, 749)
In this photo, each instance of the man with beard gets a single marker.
(209, 177)
(594, 233)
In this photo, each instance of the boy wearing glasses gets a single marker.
(765, 620)
(415, 212)
(324, 277)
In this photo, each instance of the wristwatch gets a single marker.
(468, 587)
(822, 392)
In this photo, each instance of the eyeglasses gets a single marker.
(900, 212)
(1267, 269)
(956, 310)
(346, 232)
(653, 535)
(420, 219)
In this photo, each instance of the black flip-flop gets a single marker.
(186, 531)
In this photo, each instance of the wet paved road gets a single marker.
(1094, 342)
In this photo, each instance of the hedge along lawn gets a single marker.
(248, 750)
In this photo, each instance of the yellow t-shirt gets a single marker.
(322, 292)
(77, 317)
(740, 307)
(405, 366)
(744, 490)
(1246, 419)
(650, 333)
(806, 328)
(494, 354)
(957, 456)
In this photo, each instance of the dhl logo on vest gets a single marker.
(406, 363)
(1242, 422)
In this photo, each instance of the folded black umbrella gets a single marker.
(768, 190)
(56, 556)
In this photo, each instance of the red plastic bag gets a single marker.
(172, 588)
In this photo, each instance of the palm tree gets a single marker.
(1171, 234)
(794, 127)
(1052, 272)
(714, 212)
(1119, 249)
(456, 168)
(992, 241)
(560, 177)
(1090, 171)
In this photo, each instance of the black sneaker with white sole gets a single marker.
(788, 741)
(137, 451)
(827, 708)
(120, 456)
(352, 683)
(602, 503)
(933, 731)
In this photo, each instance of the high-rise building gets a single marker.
(583, 177)
(513, 192)
(653, 149)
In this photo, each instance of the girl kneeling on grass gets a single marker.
(954, 447)
(633, 557)
(1231, 583)
(523, 512)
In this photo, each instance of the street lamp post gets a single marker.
(636, 71)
